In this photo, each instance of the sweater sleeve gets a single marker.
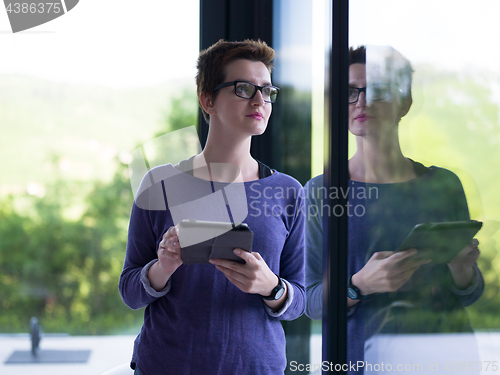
(292, 266)
(461, 212)
(140, 255)
(314, 253)
(470, 295)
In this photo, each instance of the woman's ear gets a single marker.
(405, 106)
(206, 102)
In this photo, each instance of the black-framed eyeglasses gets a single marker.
(247, 90)
(372, 93)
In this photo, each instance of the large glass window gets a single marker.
(78, 95)
(423, 149)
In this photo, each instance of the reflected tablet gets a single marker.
(440, 242)
(204, 240)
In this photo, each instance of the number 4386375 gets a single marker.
(471, 366)
(33, 8)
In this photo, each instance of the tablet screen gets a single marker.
(440, 242)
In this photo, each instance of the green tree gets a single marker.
(61, 258)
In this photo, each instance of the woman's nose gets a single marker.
(258, 99)
(361, 99)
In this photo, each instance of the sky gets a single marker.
(447, 33)
(112, 43)
(130, 43)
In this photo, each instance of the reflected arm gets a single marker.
(314, 249)
(471, 277)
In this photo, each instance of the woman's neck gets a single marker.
(223, 153)
(380, 160)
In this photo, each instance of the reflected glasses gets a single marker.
(372, 93)
(247, 90)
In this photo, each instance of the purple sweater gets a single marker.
(200, 323)
(380, 217)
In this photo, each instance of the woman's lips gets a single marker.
(256, 115)
(362, 118)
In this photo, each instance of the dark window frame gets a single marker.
(336, 173)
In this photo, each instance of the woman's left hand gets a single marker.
(252, 277)
(461, 267)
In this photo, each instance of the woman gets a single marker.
(223, 317)
(391, 292)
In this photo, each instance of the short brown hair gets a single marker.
(213, 60)
(402, 70)
(357, 55)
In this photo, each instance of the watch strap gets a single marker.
(353, 291)
(277, 291)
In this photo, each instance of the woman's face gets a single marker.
(238, 115)
(374, 117)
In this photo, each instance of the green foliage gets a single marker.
(290, 121)
(65, 271)
(61, 255)
(183, 111)
(81, 123)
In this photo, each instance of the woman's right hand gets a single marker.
(387, 271)
(169, 259)
(169, 251)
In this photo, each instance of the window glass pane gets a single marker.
(321, 28)
(78, 95)
(292, 40)
(424, 153)
(297, 52)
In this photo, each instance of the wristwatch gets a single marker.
(277, 292)
(353, 292)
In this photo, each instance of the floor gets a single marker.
(110, 355)
(106, 352)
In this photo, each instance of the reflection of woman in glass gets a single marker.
(389, 194)
(224, 317)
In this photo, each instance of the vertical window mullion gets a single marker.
(336, 174)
